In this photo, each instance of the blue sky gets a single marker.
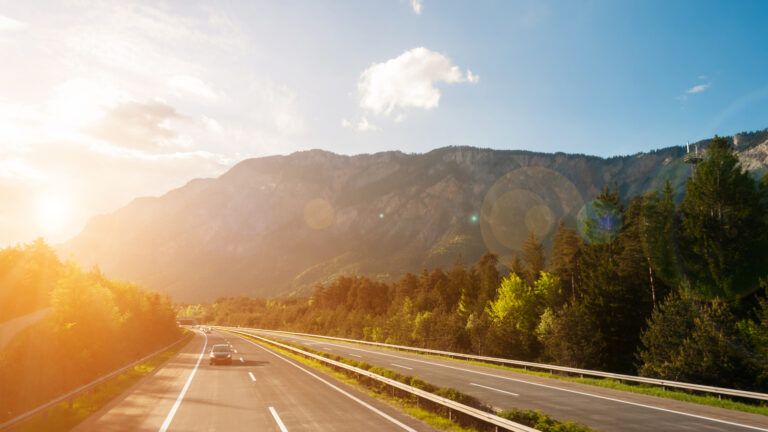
(104, 101)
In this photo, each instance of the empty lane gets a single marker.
(601, 408)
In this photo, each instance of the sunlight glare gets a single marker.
(54, 212)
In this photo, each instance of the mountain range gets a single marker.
(278, 225)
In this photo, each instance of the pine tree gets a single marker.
(533, 257)
(723, 226)
(565, 250)
(657, 230)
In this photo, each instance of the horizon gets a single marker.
(105, 102)
(162, 193)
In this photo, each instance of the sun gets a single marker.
(54, 212)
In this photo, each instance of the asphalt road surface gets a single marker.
(260, 391)
(603, 409)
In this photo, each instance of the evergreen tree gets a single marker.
(657, 230)
(564, 262)
(533, 257)
(700, 341)
(723, 226)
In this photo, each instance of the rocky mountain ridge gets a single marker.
(278, 225)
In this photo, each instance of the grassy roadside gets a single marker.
(61, 417)
(436, 416)
(403, 404)
(645, 389)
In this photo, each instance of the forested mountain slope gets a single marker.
(278, 225)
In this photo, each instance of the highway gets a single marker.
(601, 408)
(260, 391)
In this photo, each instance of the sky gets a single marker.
(102, 102)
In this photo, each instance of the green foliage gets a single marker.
(27, 274)
(533, 257)
(724, 230)
(615, 296)
(96, 326)
(542, 422)
(564, 261)
(658, 232)
(696, 340)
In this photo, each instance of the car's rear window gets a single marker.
(220, 348)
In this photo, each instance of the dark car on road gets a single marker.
(220, 354)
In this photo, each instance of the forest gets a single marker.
(650, 285)
(95, 325)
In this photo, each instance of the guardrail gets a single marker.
(488, 418)
(719, 391)
(72, 394)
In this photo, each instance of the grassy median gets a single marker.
(760, 408)
(63, 417)
(430, 413)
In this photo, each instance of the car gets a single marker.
(220, 354)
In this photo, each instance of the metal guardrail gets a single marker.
(542, 366)
(69, 396)
(488, 418)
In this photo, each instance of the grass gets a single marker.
(406, 405)
(436, 418)
(761, 408)
(62, 417)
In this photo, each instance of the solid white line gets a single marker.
(338, 389)
(277, 420)
(401, 366)
(250, 374)
(560, 388)
(177, 404)
(494, 389)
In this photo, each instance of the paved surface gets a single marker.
(603, 409)
(262, 392)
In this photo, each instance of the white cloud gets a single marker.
(212, 125)
(408, 81)
(417, 6)
(363, 125)
(18, 169)
(472, 78)
(182, 84)
(146, 126)
(700, 88)
(10, 24)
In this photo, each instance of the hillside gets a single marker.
(278, 225)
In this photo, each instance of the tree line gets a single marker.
(649, 285)
(95, 326)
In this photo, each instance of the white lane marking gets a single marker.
(241, 360)
(234, 350)
(250, 374)
(494, 389)
(355, 355)
(561, 389)
(401, 366)
(338, 389)
(169, 418)
(277, 420)
(327, 348)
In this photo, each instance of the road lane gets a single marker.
(145, 406)
(248, 395)
(601, 408)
